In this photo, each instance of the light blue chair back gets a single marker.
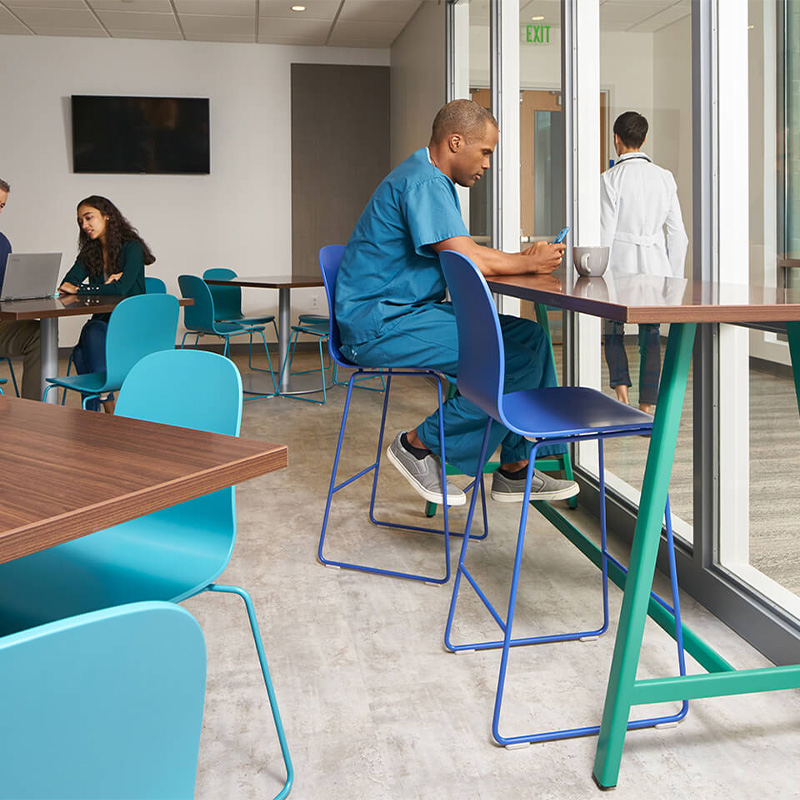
(103, 706)
(481, 357)
(330, 258)
(200, 315)
(227, 299)
(154, 285)
(139, 325)
(195, 389)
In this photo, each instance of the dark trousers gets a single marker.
(649, 364)
(89, 354)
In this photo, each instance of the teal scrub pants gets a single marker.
(427, 337)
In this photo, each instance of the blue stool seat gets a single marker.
(567, 415)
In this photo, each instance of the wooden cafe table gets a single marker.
(684, 305)
(254, 383)
(48, 310)
(66, 473)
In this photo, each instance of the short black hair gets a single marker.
(461, 116)
(631, 127)
(4, 186)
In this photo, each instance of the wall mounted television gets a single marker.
(150, 135)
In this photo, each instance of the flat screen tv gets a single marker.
(161, 135)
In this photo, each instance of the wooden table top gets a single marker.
(643, 298)
(65, 473)
(272, 281)
(67, 306)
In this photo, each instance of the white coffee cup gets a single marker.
(590, 262)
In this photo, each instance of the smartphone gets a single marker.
(561, 236)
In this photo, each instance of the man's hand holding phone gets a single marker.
(544, 257)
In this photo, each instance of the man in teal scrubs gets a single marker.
(391, 311)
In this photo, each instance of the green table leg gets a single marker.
(793, 334)
(620, 691)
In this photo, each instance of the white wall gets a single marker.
(238, 216)
(417, 79)
(672, 113)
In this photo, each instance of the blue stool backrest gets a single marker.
(154, 285)
(104, 705)
(227, 299)
(138, 326)
(330, 257)
(200, 315)
(5, 250)
(190, 388)
(481, 358)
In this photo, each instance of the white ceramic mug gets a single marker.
(590, 262)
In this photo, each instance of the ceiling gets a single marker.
(634, 16)
(338, 23)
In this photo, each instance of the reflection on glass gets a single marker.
(645, 62)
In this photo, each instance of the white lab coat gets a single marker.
(640, 219)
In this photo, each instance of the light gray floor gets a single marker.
(374, 707)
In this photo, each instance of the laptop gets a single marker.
(30, 275)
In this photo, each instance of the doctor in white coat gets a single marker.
(641, 223)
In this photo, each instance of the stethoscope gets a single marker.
(637, 157)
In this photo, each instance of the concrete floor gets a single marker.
(374, 708)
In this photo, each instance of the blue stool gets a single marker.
(329, 259)
(554, 415)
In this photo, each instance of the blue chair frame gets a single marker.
(104, 706)
(138, 326)
(566, 415)
(330, 257)
(169, 555)
(199, 320)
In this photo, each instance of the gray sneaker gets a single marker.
(424, 474)
(543, 487)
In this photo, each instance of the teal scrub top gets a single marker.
(388, 267)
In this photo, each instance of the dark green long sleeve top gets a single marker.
(131, 265)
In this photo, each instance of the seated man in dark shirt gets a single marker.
(20, 339)
(391, 309)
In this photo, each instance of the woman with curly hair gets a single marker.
(111, 261)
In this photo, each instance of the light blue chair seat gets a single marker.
(200, 320)
(104, 706)
(138, 326)
(553, 415)
(168, 555)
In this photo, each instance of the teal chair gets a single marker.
(228, 300)
(103, 706)
(154, 285)
(13, 376)
(170, 555)
(138, 326)
(199, 319)
(3, 381)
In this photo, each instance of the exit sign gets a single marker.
(535, 34)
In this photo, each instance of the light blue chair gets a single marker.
(559, 414)
(228, 300)
(199, 320)
(154, 285)
(138, 326)
(3, 381)
(170, 555)
(103, 706)
(330, 258)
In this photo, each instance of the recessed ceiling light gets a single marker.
(298, 8)
(536, 19)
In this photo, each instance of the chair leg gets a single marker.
(275, 391)
(13, 376)
(273, 702)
